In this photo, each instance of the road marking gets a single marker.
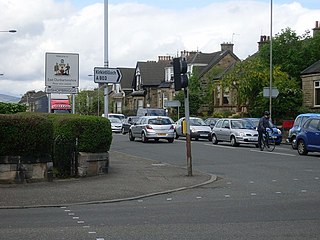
(199, 197)
(278, 192)
(253, 194)
(169, 199)
(227, 195)
(251, 182)
(80, 222)
(303, 191)
(274, 180)
(75, 218)
(316, 178)
(220, 146)
(92, 232)
(277, 153)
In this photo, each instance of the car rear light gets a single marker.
(148, 127)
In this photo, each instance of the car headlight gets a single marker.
(279, 131)
(193, 129)
(242, 134)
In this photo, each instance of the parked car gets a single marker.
(151, 112)
(126, 123)
(152, 127)
(235, 131)
(275, 133)
(211, 122)
(198, 129)
(308, 139)
(116, 124)
(298, 122)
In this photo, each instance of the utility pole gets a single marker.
(106, 58)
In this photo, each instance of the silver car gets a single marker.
(152, 127)
(235, 131)
(198, 129)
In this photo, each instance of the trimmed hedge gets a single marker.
(93, 133)
(24, 135)
(33, 134)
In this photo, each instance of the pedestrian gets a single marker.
(264, 123)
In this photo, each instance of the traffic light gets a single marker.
(180, 68)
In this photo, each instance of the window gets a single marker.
(317, 93)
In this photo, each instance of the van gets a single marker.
(298, 122)
(151, 112)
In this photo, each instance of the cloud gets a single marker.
(137, 32)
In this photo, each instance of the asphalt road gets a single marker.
(259, 195)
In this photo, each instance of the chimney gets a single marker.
(316, 30)
(164, 58)
(227, 46)
(263, 40)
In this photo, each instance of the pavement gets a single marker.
(129, 178)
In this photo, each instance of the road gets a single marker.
(259, 195)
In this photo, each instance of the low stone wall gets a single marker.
(90, 164)
(16, 169)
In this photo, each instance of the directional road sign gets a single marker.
(107, 75)
(274, 92)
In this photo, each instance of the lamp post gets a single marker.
(10, 31)
(270, 84)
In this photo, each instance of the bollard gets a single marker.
(50, 172)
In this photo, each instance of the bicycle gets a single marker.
(268, 142)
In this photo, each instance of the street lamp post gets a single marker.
(10, 31)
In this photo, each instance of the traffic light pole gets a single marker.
(188, 138)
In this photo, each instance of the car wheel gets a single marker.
(210, 138)
(170, 140)
(131, 138)
(144, 138)
(176, 136)
(214, 139)
(234, 142)
(301, 146)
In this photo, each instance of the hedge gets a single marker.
(23, 135)
(33, 134)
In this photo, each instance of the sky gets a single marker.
(139, 30)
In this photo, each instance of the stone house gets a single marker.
(311, 81)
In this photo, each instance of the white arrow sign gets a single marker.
(274, 92)
(107, 75)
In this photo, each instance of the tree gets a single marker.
(248, 79)
(87, 102)
(291, 52)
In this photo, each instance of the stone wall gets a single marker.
(91, 164)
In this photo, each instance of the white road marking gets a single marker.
(276, 153)
(303, 191)
(253, 194)
(220, 146)
(169, 199)
(199, 197)
(80, 222)
(75, 218)
(278, 192)
(227, 195)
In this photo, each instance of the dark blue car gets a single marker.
(276, 133)
(308, 139)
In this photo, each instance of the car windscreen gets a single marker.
(236, 124)
(197, 122)
(159, 121)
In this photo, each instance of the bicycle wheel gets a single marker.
(271, 144)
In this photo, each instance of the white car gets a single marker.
(198, 129)
(152, 127)
(116, 124)
(235, 131)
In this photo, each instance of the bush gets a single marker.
(10, 108)
(93, 133)
(25, 135)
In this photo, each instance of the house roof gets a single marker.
(216, 57)
(314, 68)
(152, 73)
(127, 77)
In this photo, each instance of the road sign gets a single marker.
(62, 70)
(62, 90)
(274, 92)
(172, 103)
(107, 75)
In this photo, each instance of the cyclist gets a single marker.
(264, 123)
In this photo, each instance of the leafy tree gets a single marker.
(248, 79)
(87, 102)
(291, 52)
